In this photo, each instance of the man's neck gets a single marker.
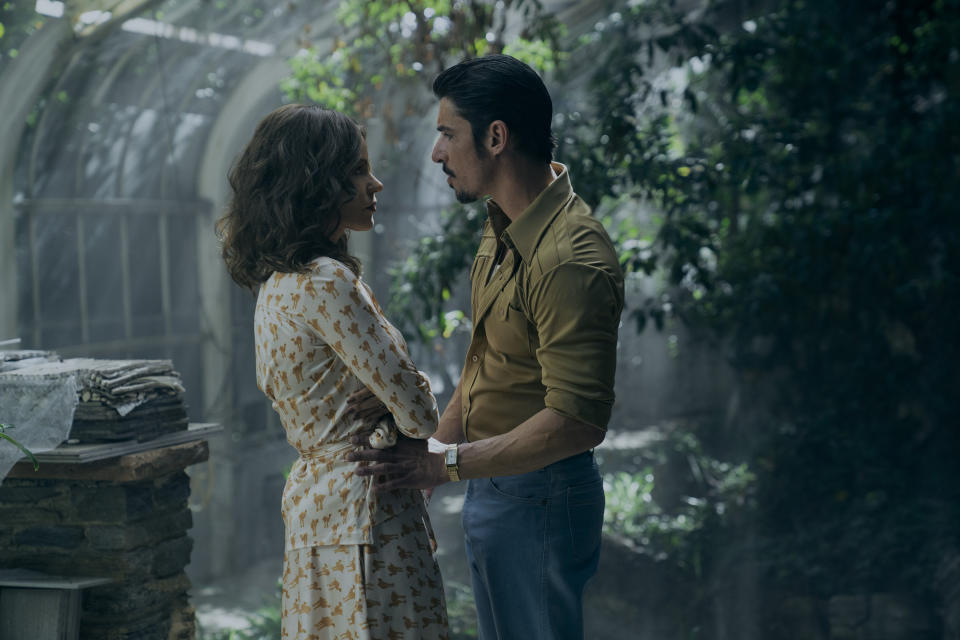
(520, 183)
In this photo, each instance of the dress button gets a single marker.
(474, 358)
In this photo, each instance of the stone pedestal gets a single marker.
(125, 519)
(35, 605)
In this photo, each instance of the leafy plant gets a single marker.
(805, 186)
(461, 611)
(263, 624)
(18, 21)
(398, 47)
(675, 504)
(423, 283)
(5, 436)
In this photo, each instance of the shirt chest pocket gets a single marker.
(507, 328)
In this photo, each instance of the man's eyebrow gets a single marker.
(443, 128)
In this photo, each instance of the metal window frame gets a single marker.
(124, 208)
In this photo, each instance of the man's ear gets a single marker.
(498, 135)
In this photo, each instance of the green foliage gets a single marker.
(422, 283)
(26, 452)
(808, 221)
(673, 508)
(263, 624)
(461, 611)
(18, 21)
(400, 46)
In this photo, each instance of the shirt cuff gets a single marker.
(435, 446)
(593, 412)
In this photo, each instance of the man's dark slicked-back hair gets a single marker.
(499, 87)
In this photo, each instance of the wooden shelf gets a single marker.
(81, 453)
(26, 579)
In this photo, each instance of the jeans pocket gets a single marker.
(588, 493)
(529, 488)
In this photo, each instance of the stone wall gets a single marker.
(125, 519)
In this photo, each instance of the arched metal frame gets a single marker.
(107, 207)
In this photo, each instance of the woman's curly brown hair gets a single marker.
(289, 184)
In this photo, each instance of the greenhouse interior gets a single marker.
(778, 180)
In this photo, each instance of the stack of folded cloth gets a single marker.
(22, 358)
(117, 399)
(128, 399)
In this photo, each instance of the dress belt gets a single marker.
(326, 451)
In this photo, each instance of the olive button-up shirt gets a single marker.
(545, 319)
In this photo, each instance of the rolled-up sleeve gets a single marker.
(576, 309)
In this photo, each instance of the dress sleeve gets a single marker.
(341, 311)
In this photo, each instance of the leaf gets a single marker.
(26, 452)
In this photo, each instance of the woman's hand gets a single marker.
(364, 406)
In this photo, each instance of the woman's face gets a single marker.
(357, 212)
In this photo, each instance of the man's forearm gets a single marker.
(543, 439)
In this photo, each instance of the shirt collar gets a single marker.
(524, 233)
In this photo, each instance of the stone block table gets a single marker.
(116, 511)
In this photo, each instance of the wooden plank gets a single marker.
(129, 468)
(27, 579)
(82, 453)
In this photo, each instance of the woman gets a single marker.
(357, 564)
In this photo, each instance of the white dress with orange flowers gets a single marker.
(357, 564)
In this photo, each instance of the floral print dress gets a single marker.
(357, 564)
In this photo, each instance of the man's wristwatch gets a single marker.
(451, 453)
(450, 456)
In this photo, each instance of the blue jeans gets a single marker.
(533, 541)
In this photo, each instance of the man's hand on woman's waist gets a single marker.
(406, 464)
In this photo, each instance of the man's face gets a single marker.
(467, 171)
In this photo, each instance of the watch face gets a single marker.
(451, 456)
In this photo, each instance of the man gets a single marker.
(536, 390)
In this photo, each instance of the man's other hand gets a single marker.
(407, 464)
